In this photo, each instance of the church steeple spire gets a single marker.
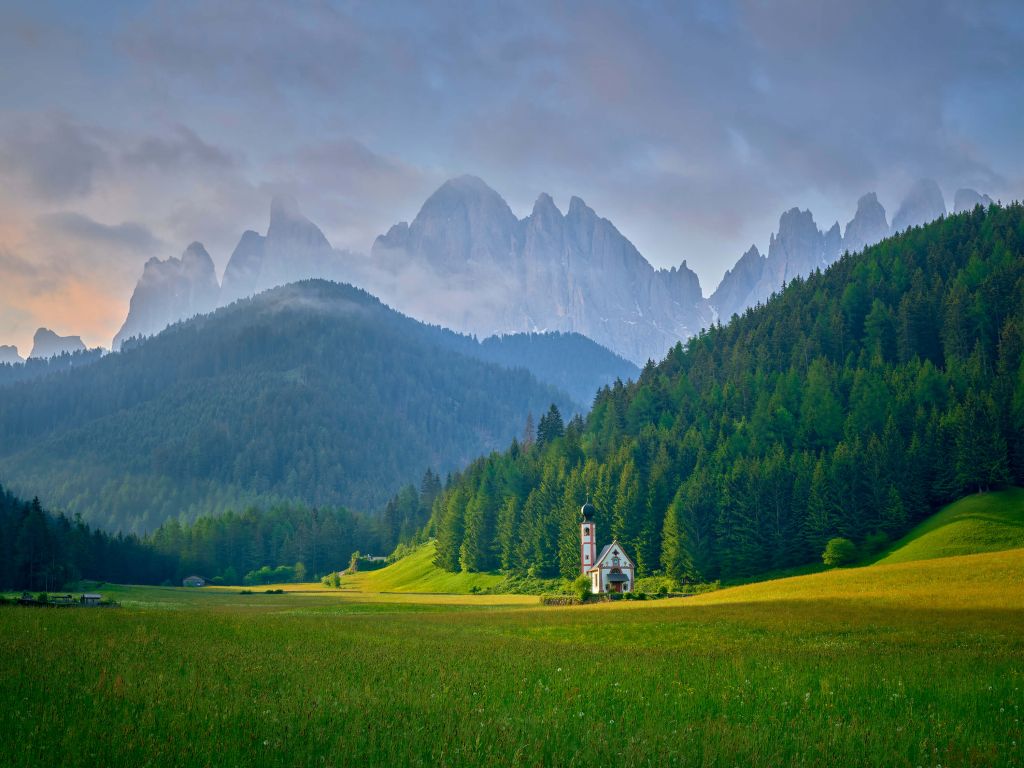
(588, 537)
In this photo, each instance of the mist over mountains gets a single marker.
(468, 263)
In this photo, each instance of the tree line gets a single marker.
(854, 403)
(40, 550)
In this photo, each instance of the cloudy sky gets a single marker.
(128, 130)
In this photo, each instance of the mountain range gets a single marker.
(468, 263)
(799, 247)
(465, 262)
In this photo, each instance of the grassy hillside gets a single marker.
(417, 573)
(984, 522)
(908, 664)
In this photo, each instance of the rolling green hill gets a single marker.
(416, 572)
(984, 522)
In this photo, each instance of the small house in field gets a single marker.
(609, 571)
(193, 581)
(90, 599)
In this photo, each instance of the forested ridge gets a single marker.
(853, 404)
(312, 394)
(37, 368)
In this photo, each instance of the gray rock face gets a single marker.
(796, 250)
(965, 200)
(9, 354)
(923, 203)
(46, 344)
(868, 225)
(293, 249)
(735, 292)
(242, 273)
(488, 272)
(169, 291)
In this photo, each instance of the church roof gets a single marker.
(617, 549)
(618, 577)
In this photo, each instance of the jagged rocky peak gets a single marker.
(734, 292)
(463, 221)
(867, 226)
(966, 199)
(683, 282)
(799, 243)
(288, 224)
(544, 208)
(294, 248)
(489, 272)
(9, 354)
(922, 204)
(465, 198)
(170, 290)
(46, 344)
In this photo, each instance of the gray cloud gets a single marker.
(183, 146)
(51, 157)
(129, 235)
(691, 126)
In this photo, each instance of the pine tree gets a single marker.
(819, 521)
(981, 462)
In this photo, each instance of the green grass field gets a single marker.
(417, 573)
(985, 522)
(918, 663)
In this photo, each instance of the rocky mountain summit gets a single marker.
(546, 272)
(46, 344)
(171, 290)
(293, 249)
(965, 200)
(923, 203)
(9, 354)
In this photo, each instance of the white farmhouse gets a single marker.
(610, 571)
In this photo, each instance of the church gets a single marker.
(610, 571)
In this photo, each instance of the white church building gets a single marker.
(609, 571)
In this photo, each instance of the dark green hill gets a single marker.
(569, 361)
(314, 392)
(855, 403)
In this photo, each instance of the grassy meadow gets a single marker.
(912, 664)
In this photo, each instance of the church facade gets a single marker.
(611, 570)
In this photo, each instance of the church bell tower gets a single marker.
(588, 538)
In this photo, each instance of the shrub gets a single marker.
(839, 551)
(660, 585)
(579, 587)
